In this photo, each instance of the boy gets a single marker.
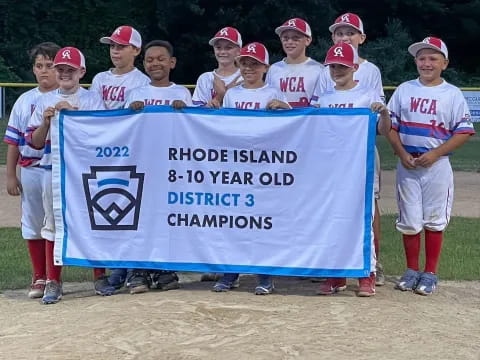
(114, 85)
(69, 66)
(348, 28)
(252, 94)
(431, 119)
(158, 63)
(211, 86)
(30, 186)
(342, 60)
(297, 74)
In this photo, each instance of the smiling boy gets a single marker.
(342, 61)
(70, 67)
(431, 119)
(211, 86)
(297, 74)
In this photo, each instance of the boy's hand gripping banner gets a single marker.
(270, 192)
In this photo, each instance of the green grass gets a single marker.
(15, 267)
(459, 260)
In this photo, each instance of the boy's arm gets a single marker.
(39, 135)
(277, 104)
(427, 159)
(408, 161)
(385, 123)
(14, 187)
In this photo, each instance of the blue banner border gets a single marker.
(221, 268)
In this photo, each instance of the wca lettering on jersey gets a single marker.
(113, 93)
(247, 105)
(156, 102)
(424, 106)
(292, 84)
(341, 106)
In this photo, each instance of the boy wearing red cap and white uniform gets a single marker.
(113, 86)
(253, 94)
(29, 185)
(158, 63)
(348, 28)
(342, 60)
(70, 67)
(431, 119)
(211, 86)
(297, 74)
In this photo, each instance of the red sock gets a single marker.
(54, 272)
(411, 243)
(36, 248)
(433, 248)
(97, 272)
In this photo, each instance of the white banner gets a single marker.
(271, 192)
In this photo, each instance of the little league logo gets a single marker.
(114, 195)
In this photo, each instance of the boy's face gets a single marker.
(252, 70)
(294, 43)
(44, 72)
(123, 56)
(430, 64)
(341, 74)
(225, 52)
(68, 77)
(349, 35)
(158, 63)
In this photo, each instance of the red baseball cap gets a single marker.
(347, 19)
(429, 43)
(124, 35)
(70, 56)
(227, 33)
(295, 24)
(255, 51)
(342, 53)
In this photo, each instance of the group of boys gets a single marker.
(424, 176)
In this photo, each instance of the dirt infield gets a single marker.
(292, 323)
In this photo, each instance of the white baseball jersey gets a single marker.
(83, 99)
(427, 116)
(359, 96)
(17, 125)
(368, 76)
(204, 91)
(240, 97)
(154, 95)
(296, 81)
(114, 88)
